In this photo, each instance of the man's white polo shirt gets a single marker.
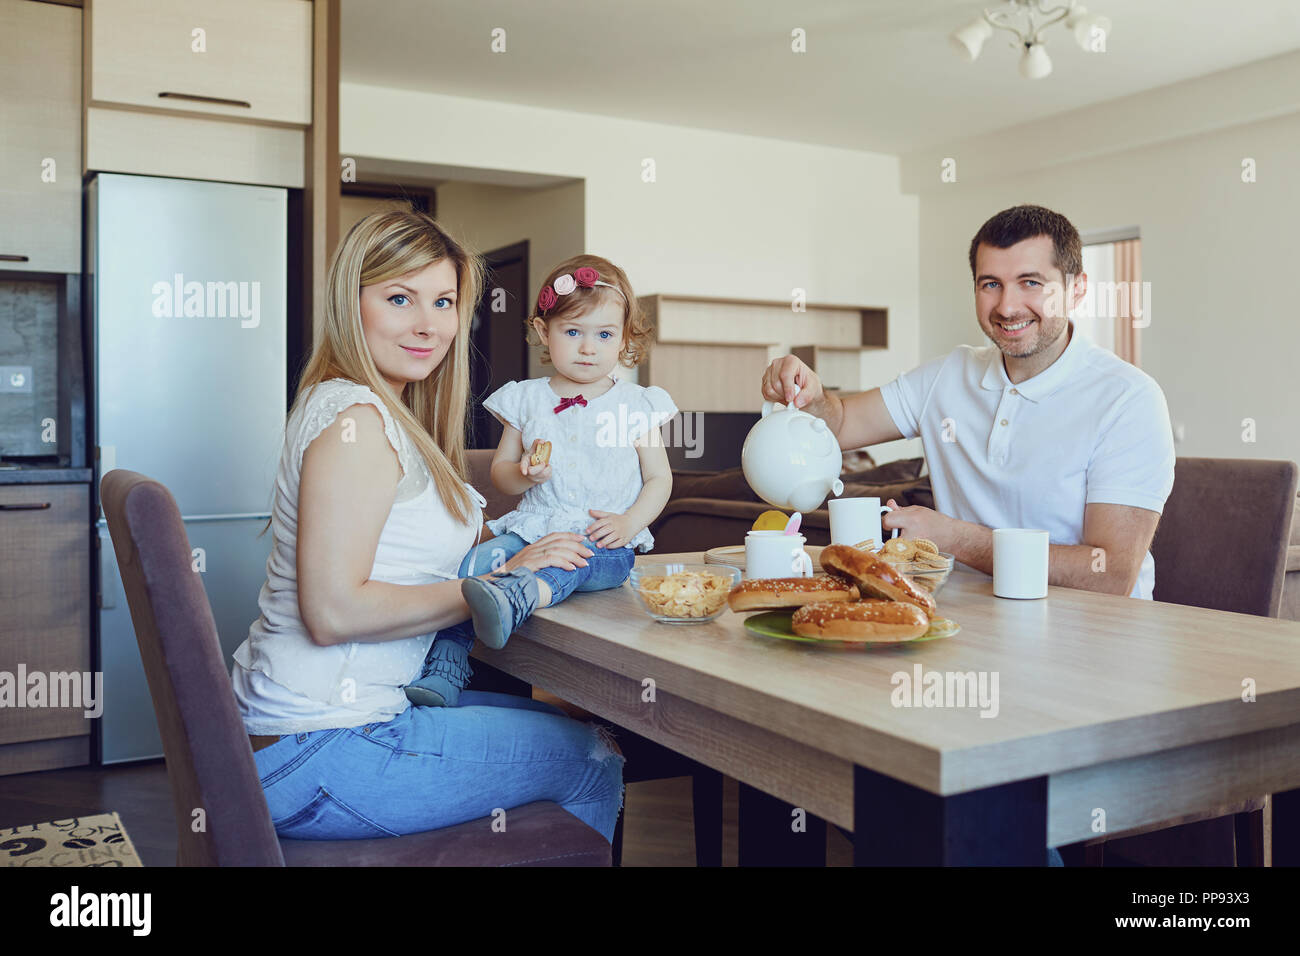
(1088, 428)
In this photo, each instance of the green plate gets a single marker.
(777, 624)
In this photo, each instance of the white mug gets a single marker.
(854, 520)
(1020, 563)
(775, 554)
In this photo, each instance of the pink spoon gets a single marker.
(792, 526)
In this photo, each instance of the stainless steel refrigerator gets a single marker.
(187, 284)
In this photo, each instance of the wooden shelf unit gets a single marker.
(710, 353)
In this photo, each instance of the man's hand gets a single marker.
(915, 521)
(780, 381)
(855, 420)
(611, 530)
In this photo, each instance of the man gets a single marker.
(1042, 429)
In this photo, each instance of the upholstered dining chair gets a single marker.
(1238, 513)
(209, 759)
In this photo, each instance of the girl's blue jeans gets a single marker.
(434, 767)
(606, 568)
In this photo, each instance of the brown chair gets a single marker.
(209, 759)
(645, 759)
(1222, 544)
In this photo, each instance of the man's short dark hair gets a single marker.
(1025, 222)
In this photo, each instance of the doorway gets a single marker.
(498, 347)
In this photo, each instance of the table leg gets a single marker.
(706, 804)
(1286, 828)
(896, 824)
(768, 835)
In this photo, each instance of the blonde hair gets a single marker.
(433, 411)
(637, 331)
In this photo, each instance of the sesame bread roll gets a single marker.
(874, 577)
(772, 594)
(872, 620)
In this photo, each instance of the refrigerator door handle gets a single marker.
(108, 574)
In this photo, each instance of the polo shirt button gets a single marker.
(1004, 421)
(1014, 392)
(573, 438)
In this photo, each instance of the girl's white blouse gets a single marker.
(283, 680)
(594, 463)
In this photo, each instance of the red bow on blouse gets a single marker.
(569, 403)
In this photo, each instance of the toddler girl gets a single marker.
(607, 476)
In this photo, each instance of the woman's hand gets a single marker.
(783, 375)
(611, 530)
(560, 549)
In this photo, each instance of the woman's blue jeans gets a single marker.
(434, 767)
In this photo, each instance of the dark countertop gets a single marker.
(45, 475)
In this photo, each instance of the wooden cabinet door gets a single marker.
(247, 59)
(40, 137)
(44, 602)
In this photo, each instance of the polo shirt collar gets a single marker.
(1045, 382)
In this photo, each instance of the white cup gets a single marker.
(1020, 563)
(775, 554)
(854, 520)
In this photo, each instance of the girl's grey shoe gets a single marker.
(499, 603)
(445, 674)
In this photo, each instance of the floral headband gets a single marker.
(586, 277)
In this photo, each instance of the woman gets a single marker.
(371, 519)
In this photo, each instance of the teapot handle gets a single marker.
(769, 407)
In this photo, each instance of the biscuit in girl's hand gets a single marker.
(541, 453)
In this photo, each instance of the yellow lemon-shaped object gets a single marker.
(770, 521)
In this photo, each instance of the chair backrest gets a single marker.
(1222, 539)
(479, 461)
(209, 760)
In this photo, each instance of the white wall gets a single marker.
(489, 217)
(1224, 339)
(728, 215)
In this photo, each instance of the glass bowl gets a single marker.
(927, 577)
(683, 593)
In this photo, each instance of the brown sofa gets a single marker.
(1291, 589)
(711, 509)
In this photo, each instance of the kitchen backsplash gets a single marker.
(29, 335)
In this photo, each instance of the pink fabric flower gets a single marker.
(586, 276)
(564, 284)
(546, 299)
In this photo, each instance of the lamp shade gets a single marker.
(969, 40)
(1035, 64)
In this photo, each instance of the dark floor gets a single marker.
(657, 828)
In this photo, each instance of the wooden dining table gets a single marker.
(1101, 714)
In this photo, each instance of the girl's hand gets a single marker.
(611, 530)
(534, 473)
(560, 549)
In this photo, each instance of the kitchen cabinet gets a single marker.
(244, 59)
(40, 149)
(45, 606)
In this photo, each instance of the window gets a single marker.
(1118, 303)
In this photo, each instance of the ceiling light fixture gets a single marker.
(1017, 16)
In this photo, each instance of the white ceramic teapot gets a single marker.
(791, 459)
